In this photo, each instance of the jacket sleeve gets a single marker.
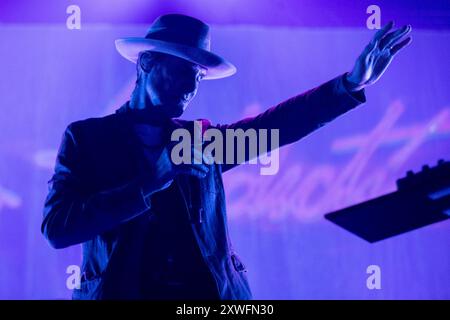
(298, 116)
(73, 216)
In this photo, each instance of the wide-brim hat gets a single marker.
(181, 36)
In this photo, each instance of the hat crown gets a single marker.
(182, 36)
(181, 29)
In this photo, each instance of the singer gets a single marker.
(152, 229)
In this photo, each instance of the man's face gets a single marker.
(172, 83)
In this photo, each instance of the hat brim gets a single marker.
(216, 67)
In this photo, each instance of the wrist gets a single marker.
(351, 85)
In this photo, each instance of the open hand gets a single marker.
(377, 56)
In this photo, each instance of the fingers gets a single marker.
(199, 165)
(368, 50)
(393, 37)
(197, 170)
(201, 157)
(400, 45)
(208, 158)
(376, 40)
(382, 32)
(197, 154)
(384, 40)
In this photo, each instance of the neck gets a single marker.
(139, 98)
(140, 101)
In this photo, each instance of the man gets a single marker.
(151, 229)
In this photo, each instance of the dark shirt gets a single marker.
(172, 265)
(171, 252)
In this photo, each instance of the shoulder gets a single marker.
(95, 123)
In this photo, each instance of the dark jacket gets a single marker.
(95, 195)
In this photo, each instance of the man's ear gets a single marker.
(144, 60)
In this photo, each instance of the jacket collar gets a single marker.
(149, 116)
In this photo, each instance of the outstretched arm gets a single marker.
(302, 114)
